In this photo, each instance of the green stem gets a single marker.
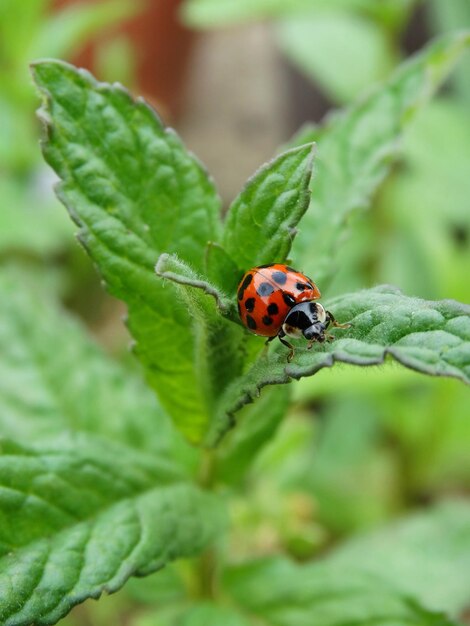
(207, 468)
(206, 566)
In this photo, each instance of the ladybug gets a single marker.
(276, 300)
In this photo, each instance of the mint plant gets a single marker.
(99, 480)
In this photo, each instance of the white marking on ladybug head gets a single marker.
(292, 331)
(321, 313)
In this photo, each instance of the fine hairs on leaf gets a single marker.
(430, 337)
(126, 226)
(68, 507)
(171, 268)
(86, 504)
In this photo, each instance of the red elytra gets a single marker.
(267, 293)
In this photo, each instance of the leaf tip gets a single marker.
(43, 69)
(160, 265)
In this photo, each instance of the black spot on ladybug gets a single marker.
(244, 285)
(288, 299)
(273, 309)
(279, 277)
(310, 286)
(250, 322)
(267, 321)
(265, 289)
(301, 286)
(250, 304)
(262, 267)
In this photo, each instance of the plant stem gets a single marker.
(207, 469)
(206, 566)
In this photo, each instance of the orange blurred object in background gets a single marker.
(162, 47)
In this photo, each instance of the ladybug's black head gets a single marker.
(306, 319)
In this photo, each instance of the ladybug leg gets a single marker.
(330, 318)
(266, 344)
(290, 356)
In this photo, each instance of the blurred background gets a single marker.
(237, 78)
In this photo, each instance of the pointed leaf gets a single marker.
(222, 270)
(218, 341)
(261, 223)
(80, 516)
(430, 337)
(195, 286)
(135, 192)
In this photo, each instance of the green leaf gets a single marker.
(342, 52)
(135, 192)
(384, 580)
(430, 337)
(171, 268)
(218, 345)
(357, 147)
(80, 516)
(54, 378)
(261, 222)
(222, 270)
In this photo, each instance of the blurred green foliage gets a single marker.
(360, 446)
(417, 235)
(31, 222)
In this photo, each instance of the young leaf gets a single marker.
(170, 267)
(222, 270)
(54, 378)
(357, 146)
(80, 516)
(261, 222)
(218, 341)
(135, 192)
(430, 337)
(341, 591)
